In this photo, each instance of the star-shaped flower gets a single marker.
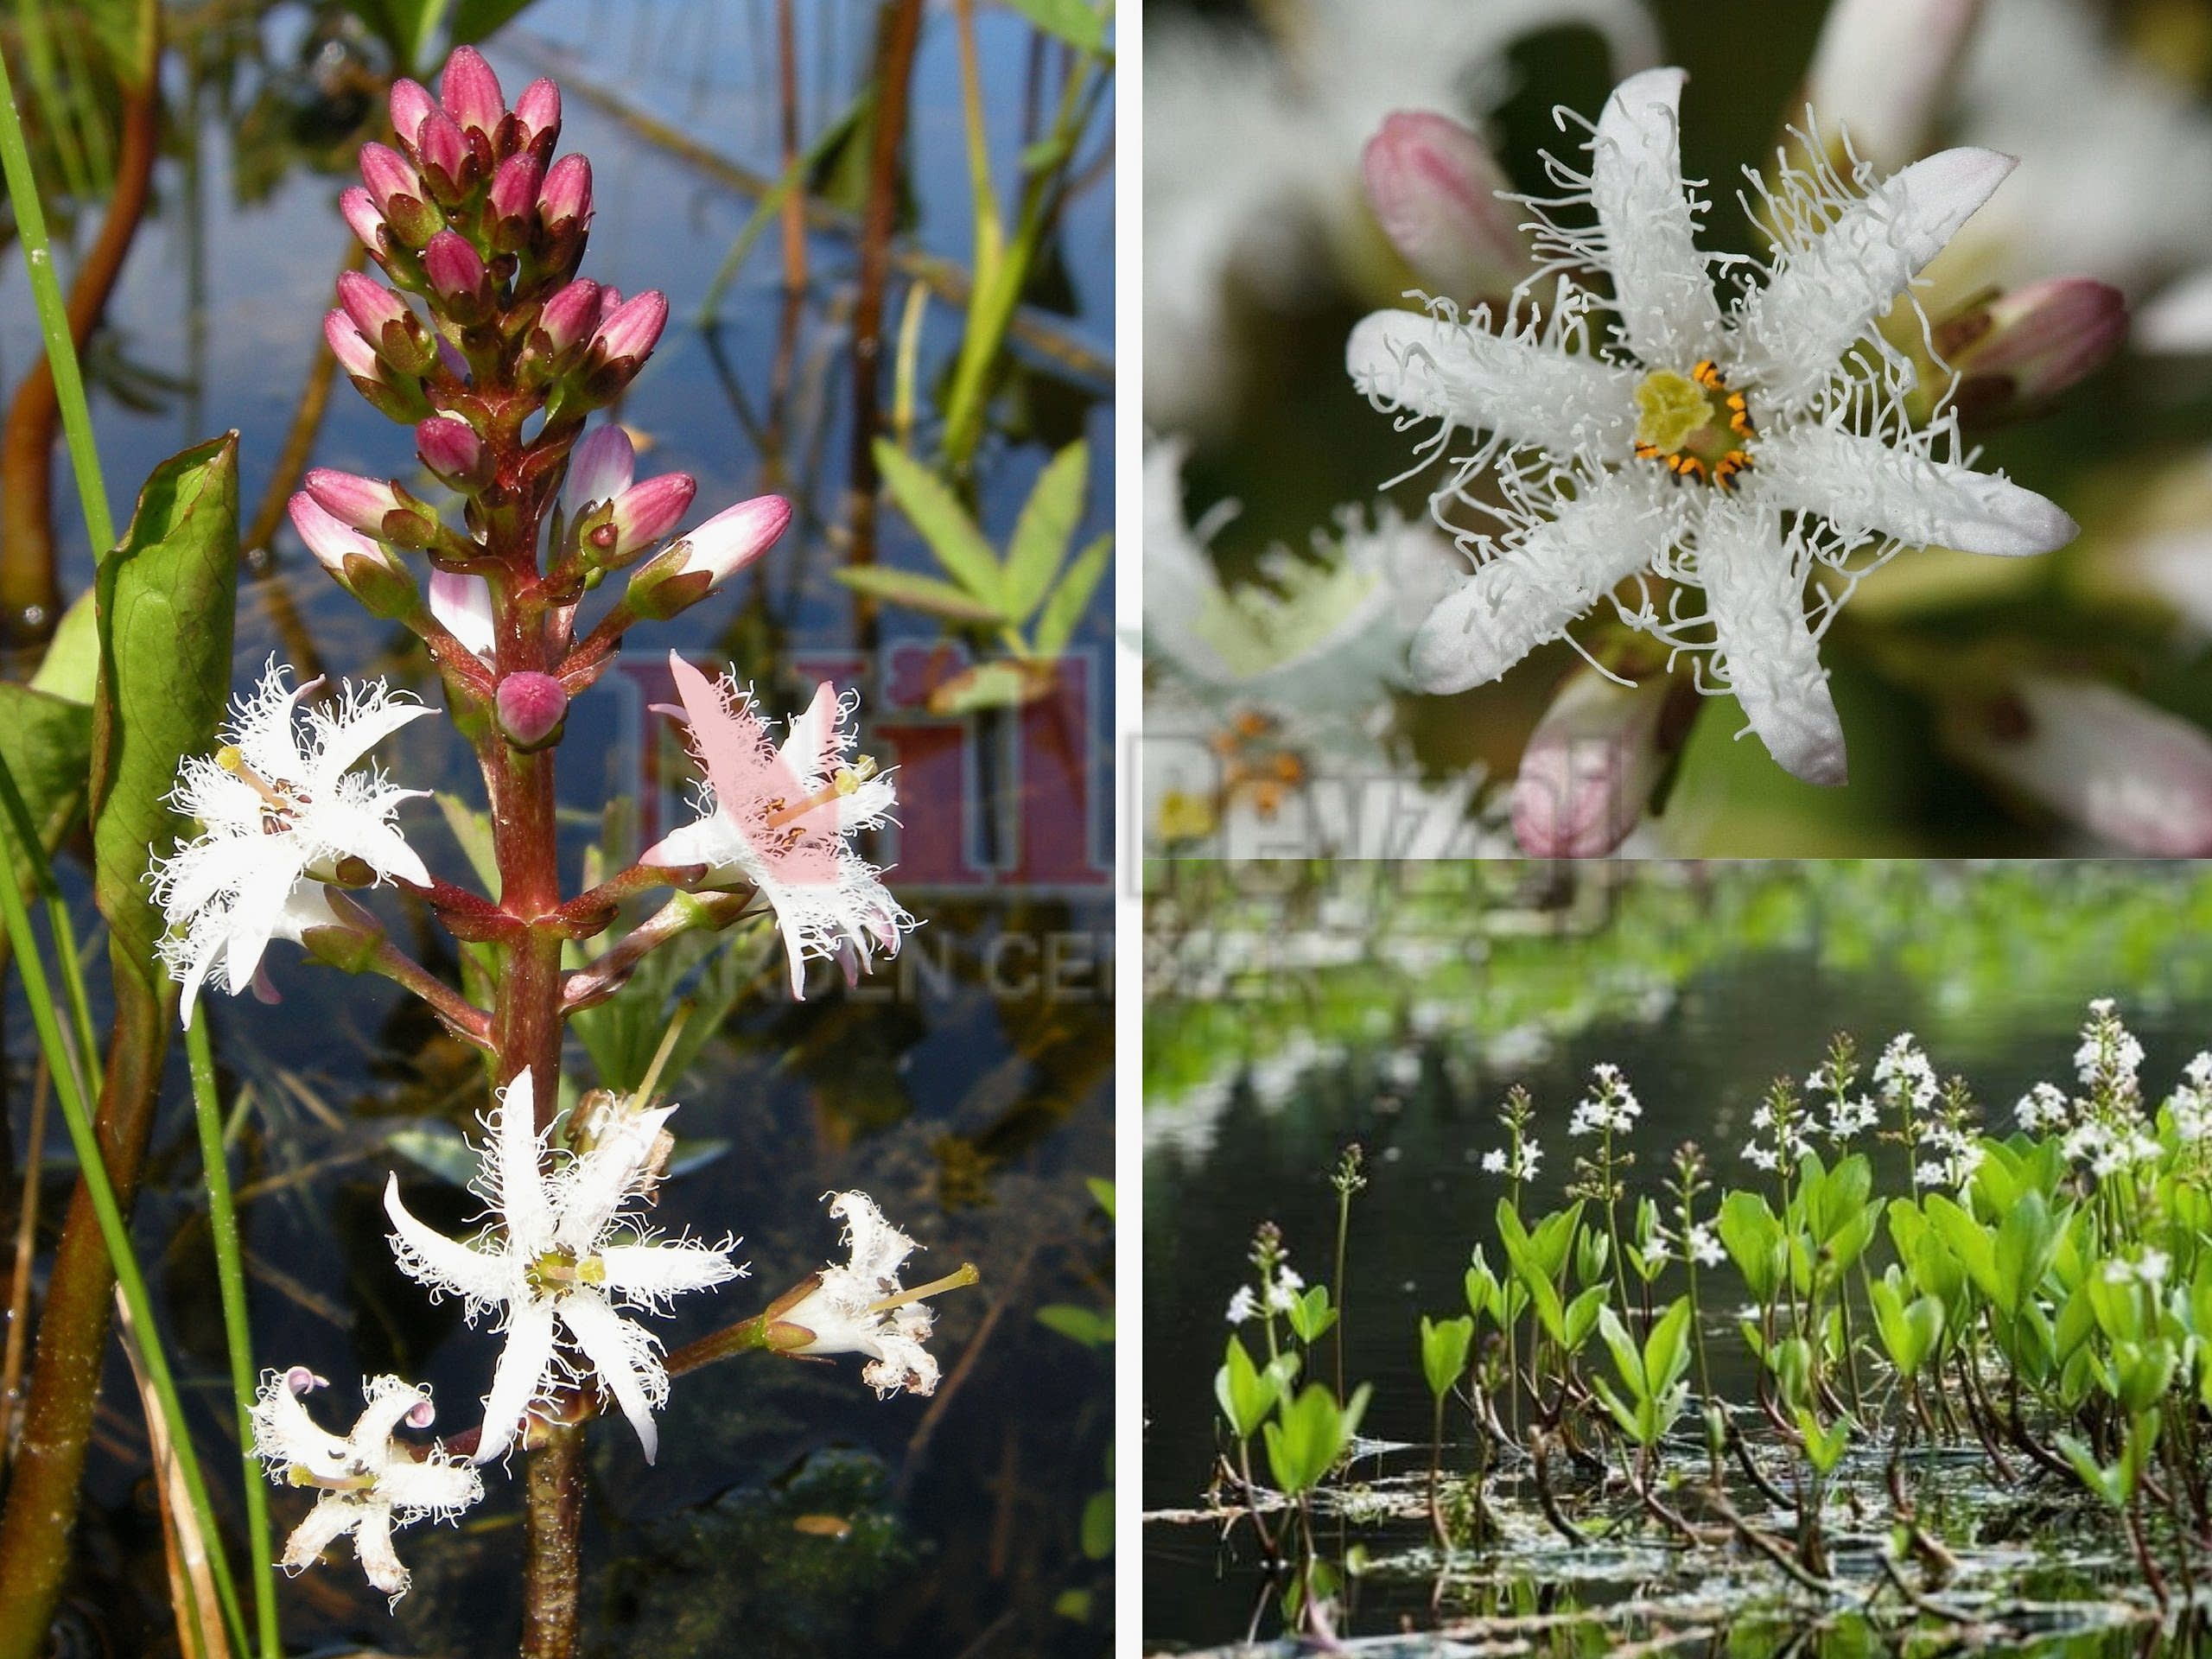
(1739, 450)
(561, 1261)
(860, 1308)
(779, 819)
(369, 1483)
(280, 810)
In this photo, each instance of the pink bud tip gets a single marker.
(441, 144)
(1588, 769)
(634, 328)
(736, 537)
(530, 707)
(359, 210)
(369, 303)
(387, 173)
(538, 109)
(355, 355)
(514, 187)
(472, 91)
(422, 1414)
(351, 498)
(328, 539)
(2049, 334)
(448, 447)
(647, 511)
(600, 468)
(566, 192)
(1434, 185)
(453, 268)
(300, 1380)
(571, 314)
(410, 102)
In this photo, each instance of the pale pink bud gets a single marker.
(358, 208)
(422, 1414)
(448, 448)
(633, 328)
(300, 1380)
(647, 511)
(355, 355)
(327, 538)
(1884, 70)
(2037, 340)
(538, 109)
(2126, 771)
(410, 102)
(351, 498)
(369, 303)
(733, 537)
(601, 467)
(610, 302)
(1589, 768)
(454, 267)
(442, 145)
(472, 91)
(530, 707)
(462, 605)
(566, 191)
(387, 173)
(1434, 187)
(571, 314)
(514, 187)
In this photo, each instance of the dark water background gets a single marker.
(963, 1091)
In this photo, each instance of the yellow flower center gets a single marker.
(1693, 425)
(559, 1271)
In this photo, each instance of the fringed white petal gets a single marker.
(522, 1363)
(1411, 362)
(1862, 485)
(438, 1485)
(1824, 294)
(1755, 593)
(286, 1435)
(484, 1278)
(360, 832)
(589, 1191)
(366, 716)
(330, 1519)
(1528, 591)
(372, 1544)
(651, 1273)
(515, 1171)
(621, 1351)
(1662, 287)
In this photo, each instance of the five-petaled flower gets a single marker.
(369, 1482)
(1737, 450)
(779, 820)
(280, 811)
(564, 1259)
(860, 1308)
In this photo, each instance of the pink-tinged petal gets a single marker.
(326, 538)
(634, 328)
(601, 467)
(736, 537)
(448, 448)
(351, 498)
(355, 355)
(454, 269)
(538, 109)
(430, 1258)
(388, 174)
(2026, 347)
(1434, 187)
(530, 1335)
(1409, 362)
(514, 187)
(463, 604)
(571, 314)
(410, 103)
(441, 144)
(726, 742)
(567, 191)
(358, 209)
(1754, 585)
(1662, 287)
(471, 91)
(621, 1353)
(645, 512)
(1587, 772)
(369, 303)
(1862, 484)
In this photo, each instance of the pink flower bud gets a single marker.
(514, 187)
(600, 468)
(538, 109)
(530, 707)
(647, 511)
(422, 1414)
(387, 174)
(1589, 768)
(633, 328)
(733, 537)
(571, 314)
(1434, 185)
(462, 604)
(327, 538)
(442, 145)
(610, 302)
(355, 355)
(369, 303)
(2128, 773)
(472, 91)
(410, 103)
(351, 498)
(454, 269)
(2035, 341)
(448, 447)
(567, 191)
(360, 211)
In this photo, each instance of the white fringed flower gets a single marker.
(780, 819)
(1739, 451)
(369, 1482)
(279, 807)
(564, 1259)
(860, 1308)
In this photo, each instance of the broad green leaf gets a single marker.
(1077, 1324)
(438, 1148)
(1245, 1393)
(473, 20)
(71, 668)
(918, 592)
(1310, 1314)
(1063, 612)
(1444, 1346)
(1075, 22)
(1001, 683)
(167, 595)
(47, 746)
(1042, 533)
(944, 524)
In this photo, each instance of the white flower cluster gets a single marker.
(1786, 1141)
(1702, 1246)
(1905, 1076)
(1280, 1292)
(1517, 1162)
(1610, 1108)
(2044, 1108)
(2109, 1061)
(2189, 1108)
(2106, 1129)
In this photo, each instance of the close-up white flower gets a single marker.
(562, 1259)
(860, 1308)
(368, 1481)
(280, 808)
(1741, 449)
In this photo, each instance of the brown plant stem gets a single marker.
(554, 1509)
(30, 585)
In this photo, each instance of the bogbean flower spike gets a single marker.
(1735, 445)
(486, 340)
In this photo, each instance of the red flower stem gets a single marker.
(681, 914)
(461, 1017)
(591, 912)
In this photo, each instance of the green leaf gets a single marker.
(1097, 1535)
(47, 745)
(1063, 612)
(472, 829)
(918, 592)
(944, 524)
(71, 668)
(1072, 21)
(167, 595)
(129, 34)
(438, 1148)
(1310, 1315)
(1246, 1394)
(1444, 1346)
(1043, 531)
(1102, 1190)
(473, 20)
(1077, 1324)
(1825, 1447)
